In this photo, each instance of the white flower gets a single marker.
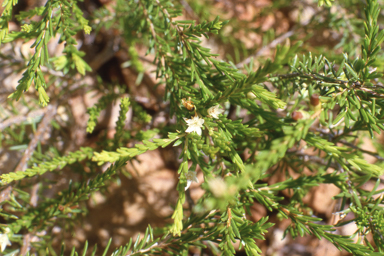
(194, 124)
(215, 111)
(218, 187)
(191, 177)
(4, 241)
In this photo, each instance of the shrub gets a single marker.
(261, 132)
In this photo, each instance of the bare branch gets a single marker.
(49, 114)
(272, 44)
(21, 118)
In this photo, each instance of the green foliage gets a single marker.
(124, 107)
(293, 117)
(51, 165)
(56, 17)
(139, 149)
(94, 112)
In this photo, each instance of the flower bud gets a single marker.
(296, 115)
(315, 103)
(315, 100)
(188, 104)
(251, 95)
(301, 114)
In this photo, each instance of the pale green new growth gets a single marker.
(53, 164)
(139, 149)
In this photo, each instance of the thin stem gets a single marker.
(43, 126)
(362, 150)
(272, 44)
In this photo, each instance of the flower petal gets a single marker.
(198, 131)
(190, 129)
(189, 182)
(215, 111)
(4, 241)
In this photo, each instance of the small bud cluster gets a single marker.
(221, 142)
